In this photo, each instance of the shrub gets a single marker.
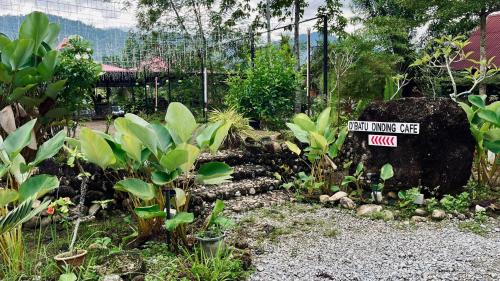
(240, 126)
(266, 91)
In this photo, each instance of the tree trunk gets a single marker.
(482, 51)
(296, 50)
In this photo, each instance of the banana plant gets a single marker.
(22, 189)
(27, 85)
(157, 157)
(484, 121)
(323, 143)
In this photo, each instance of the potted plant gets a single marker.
(211, 237)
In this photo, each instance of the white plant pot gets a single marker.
(419, 200)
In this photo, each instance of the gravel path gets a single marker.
(300, 242)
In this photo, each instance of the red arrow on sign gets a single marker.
(383, 140)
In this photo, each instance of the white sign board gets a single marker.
(383, 140)
(384, 127)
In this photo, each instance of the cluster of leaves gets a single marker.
(156, 156)
(323, 144)
(240, 127)
(386, 173)
(22, 189)
(28, 88)
(460, 203)
(80, 71)
(216, 224)
(484, 121)
(265, 91)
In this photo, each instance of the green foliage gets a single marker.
(304, 183)
(406, 201)
(265, 91)
(356, 178)
(80, 71)
(216, 224)
(386, 173)
(153, 156)
(240, 125)
(459, 203)
(484, 122)
(324, 143)
(27, 70)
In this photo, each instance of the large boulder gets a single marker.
(440, 157)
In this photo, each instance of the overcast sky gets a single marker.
(109, 15)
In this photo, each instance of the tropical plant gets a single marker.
(356, 178)
(27, 85)
(21, 189)
(446, 51)
(386, 173)
(324, 143)
(304, 182)
(240, 127)
(216, 224)
(156, 157)
(265, 92)
(460, 203)
(484, 122)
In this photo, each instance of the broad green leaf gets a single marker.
(20, 214)
(293, 147)
(214, 173)
(68, 277)
(323, 120)
(386, 172)
(193, 153)
(359, 169)
(49, 148)
(5, 77)
(150, 212)
(95, 149)
(138, 188)
(348, 179)
(304, 122)
(37, 186)
(55, 88)
(180, 198)
(146, 135)
(489, 116)
(35, 27)
(20, 92)
(48, 65)
(17, 53)
(174, 159)
(477, 101)
(179, 219)
(300, 134)
(219, 136)
(493, 146)
(318, 141)
(161, 178)
(19, 139)
(164, 138)
(52, 34)
(8, 196)
(132, 146)
(206, 135)
(137, 120)
(218, 209)
(15, 169)
(180, 122)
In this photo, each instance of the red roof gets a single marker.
(155, 64)
(112, 68)
(492, 42)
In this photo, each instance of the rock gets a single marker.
(324, 198)
(252, 191)
(336, 197)
(368, 209)
(440, 156)
(461, 217)
(387, 215)
(112, 277)
(392, 195)
(479, 208)
(438, 214)
(237, 194)
(347, 203)
(94, 208)
(416, 219)
(421, 212)
(138, 278)
(125, 263)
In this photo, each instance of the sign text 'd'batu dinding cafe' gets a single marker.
(384, 127)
